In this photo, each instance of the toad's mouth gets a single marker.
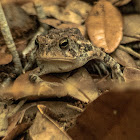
(70, 59)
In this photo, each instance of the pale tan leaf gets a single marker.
(44, 129)
(131, 28)
(104, 26)
(131, 74)
(124, 58)
(81, 86)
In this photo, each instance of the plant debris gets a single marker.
(96, 96)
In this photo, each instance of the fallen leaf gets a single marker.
(82, 28)
(29, 8)
(124, 58)
(131, 74)
(59, 111)
(119, 2)
(69, 11)
(104, 26)
(44, 129)
(52, 22)
(114, 115)
(19, 129)
(5, 58)
(57, 24)
(131, 28)
(81, 86)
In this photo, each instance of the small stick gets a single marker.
(41, 14)
(29, 49)
(75, 108)
(9, 41)
(6, 82)
(130, 51)
(19, 105)
(31, 44)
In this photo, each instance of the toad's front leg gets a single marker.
(97, 53)
(34, 77)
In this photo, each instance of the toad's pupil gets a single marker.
(63, 44)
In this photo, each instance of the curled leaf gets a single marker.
(104, 26)
(131, 28)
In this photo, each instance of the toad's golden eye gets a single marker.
(63, 43)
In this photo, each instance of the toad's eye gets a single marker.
(63, 43)
(37, 43)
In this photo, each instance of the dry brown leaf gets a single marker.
(57, 24)
(119, 2)
(124, 58)
(104, 26)
(59, 111)
(131, 28)
(28, 89)
(79, 86)
(131, 74)
(82, 28)
(5, 58)
(44, 129)
(114, 115)
(51, 21)
(19, 129)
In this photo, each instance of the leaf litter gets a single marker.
(58, 108)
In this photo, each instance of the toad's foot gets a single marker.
(36, 79)
(108, 60)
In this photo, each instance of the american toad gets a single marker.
(63, 50)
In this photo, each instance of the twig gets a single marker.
(75, 108)
(130, 51)
(41, 14)
(29, 49)
(19, 105)
(6, 82)
(9, 41)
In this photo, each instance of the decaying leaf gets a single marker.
(104, 26)
(51, 21)
(79, 86)
(5, 58)
(44, 129)
(124, 58)
(119, 2)
(82, 28)
(131, 74)
(114, 115)
(131, 28)
(19, 129)
(57, 24)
